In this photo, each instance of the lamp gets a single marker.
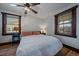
(43, 29)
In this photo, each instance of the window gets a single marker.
(10, 23)
(65, 23)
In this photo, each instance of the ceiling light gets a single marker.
(25, 8)
(12, 5)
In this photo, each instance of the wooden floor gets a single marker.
(67, 52)
(10, 50)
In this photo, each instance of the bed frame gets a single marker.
(30, 33)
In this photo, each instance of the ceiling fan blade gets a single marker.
(34, 4)
(20, 5)
(33, 10)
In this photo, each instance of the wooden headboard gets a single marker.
(30, 33)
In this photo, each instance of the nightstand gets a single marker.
(16, 37)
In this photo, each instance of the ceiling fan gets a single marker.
(27, 7)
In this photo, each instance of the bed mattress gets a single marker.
(38, 45)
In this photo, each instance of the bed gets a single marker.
(33, 44)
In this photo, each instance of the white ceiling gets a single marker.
(44, 9)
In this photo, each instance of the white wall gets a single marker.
(3, 38)
(7, 38)
(74, 42)
(31, 23)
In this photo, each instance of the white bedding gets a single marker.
(38, 45)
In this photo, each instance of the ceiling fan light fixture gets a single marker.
(27, 9)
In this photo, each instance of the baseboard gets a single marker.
(74, 49)
(9, 43)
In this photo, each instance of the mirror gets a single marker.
(10, 24)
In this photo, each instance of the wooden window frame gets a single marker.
(73, 24)
(4, 21)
